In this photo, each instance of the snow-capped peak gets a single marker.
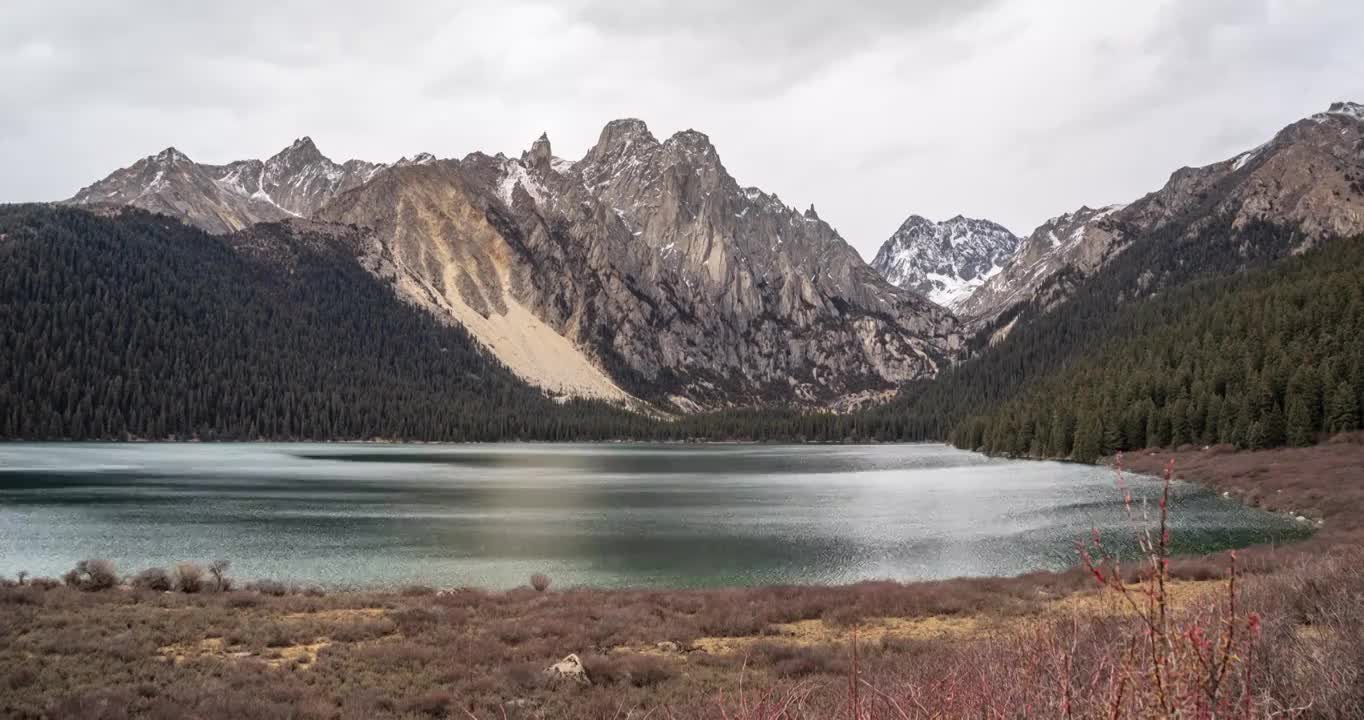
(948, 260)
(1348, 109)
(170, 156)
(421, 158)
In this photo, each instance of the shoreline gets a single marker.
(1146, 463)
(423, 653)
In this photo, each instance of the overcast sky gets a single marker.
(870, 109)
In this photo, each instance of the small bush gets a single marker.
(218, 569)
(21, 677)
(189, 578)
(434, 704)
(92, 575)
(273, 588)
(634, 670)
(156, 579)
(540, 582)
(44, 583)
(28, 595)
(242, 600)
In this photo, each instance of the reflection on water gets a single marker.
(604, 515)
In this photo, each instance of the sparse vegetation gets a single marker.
(189, 577)
(218, 569)
(156, 579)
(92, 575)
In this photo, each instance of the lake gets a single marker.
(350, 515)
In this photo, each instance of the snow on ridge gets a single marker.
(1345, 109)
(515, 174)
(945, 260)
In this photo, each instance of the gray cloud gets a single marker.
(1014, 110)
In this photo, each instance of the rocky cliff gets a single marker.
(657, 268)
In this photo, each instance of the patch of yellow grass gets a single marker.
(958, 627)
(340, 615)
(303, 654)
(1182, 593)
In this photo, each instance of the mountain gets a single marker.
(1309, 176)
(294, 182)
(1080, 277)
(1078, 240)
(1260, 359)
(643, 270)
(946, 260)
(127, 324)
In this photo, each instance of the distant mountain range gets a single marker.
(644, 274)
(641, 271)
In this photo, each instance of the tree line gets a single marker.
(1258, 360)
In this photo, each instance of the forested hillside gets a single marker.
(1273, 357)
(1032, 342)
(137, 326)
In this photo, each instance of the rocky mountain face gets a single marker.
(642, 271)
(945, 260)
(294, 182)
(645, 271)
(1309, 176)
(667, 280)
(1079, 240)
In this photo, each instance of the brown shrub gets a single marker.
(21, 595)
(435, 704)
(797, 661)
(189, 578)
(218, 569)
(21, 677)
(155, 579)
(417, 591)
(240, 600)
(415, 621)
(44, 583)
(273, 588)
(540, 582)
(627, 669)
(92, 575)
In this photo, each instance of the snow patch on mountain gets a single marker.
(946, 261)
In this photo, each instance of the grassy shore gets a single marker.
(1286, 640)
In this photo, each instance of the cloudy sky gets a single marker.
(1014, 110)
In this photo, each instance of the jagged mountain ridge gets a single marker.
(1310, 175)
(642, 270)
(295, 182)
(945, 260)
(650, 259)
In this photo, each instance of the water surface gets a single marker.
(600, 515)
